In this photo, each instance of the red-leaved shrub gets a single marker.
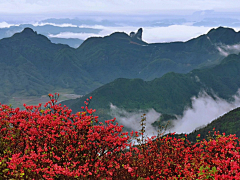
(51, 142)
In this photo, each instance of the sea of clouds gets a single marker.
(151, 34)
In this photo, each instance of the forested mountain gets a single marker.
(120, 55)
(169, 94)
(32, 65)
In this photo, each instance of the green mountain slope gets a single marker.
(169, 94)
(31, 66)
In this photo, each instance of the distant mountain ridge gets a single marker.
(119, 54)
(32, 65)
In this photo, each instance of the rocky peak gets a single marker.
(137, 35)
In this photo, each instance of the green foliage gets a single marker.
(207, 172)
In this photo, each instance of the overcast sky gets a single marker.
(31, 11)
(113, 6)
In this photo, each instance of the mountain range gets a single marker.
(120, 55)
(31, 65)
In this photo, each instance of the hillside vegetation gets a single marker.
(169, 94)
(32, 66)
(51, 142)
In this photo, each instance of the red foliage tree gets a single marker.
(52, 143)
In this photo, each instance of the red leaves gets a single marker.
(53, 143)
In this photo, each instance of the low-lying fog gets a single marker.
(204, 110)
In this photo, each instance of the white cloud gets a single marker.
(225, 50)
(150, 34)
(5, 24)
(132, 119)
(204, 110)
(53, 24)
(82, 36)
(173, 33)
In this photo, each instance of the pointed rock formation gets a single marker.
(137, 35)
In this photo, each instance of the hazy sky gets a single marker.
(31, 11)
(113, 6)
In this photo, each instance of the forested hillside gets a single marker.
(169, 94)
(33, 66)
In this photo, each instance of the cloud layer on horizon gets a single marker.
(150, 34)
